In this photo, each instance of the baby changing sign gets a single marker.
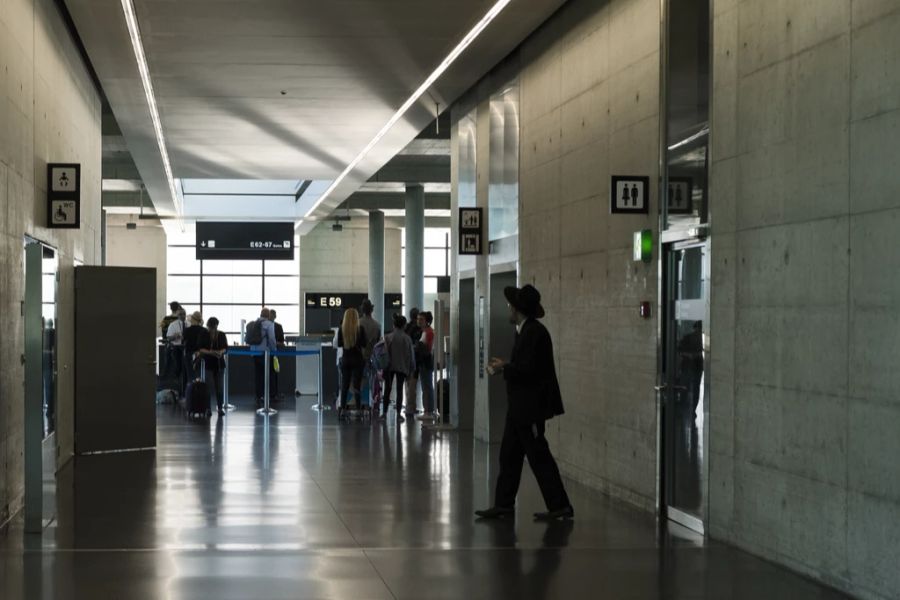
(64, 195)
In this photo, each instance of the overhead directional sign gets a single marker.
(228, 240)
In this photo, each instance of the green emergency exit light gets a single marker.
(643, 245)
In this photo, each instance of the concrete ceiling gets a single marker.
(288, 89)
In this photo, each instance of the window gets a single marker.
(436, 263)
(232, 290)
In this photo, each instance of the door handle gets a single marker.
(661, 388)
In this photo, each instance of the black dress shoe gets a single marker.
(551, 515)
(495, 512)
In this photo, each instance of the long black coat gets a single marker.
(532, 388)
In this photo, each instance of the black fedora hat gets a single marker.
(526, 300)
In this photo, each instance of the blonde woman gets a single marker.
(352, 338)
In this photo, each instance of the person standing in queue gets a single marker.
(352, 338)
(175, 337)
(425, 362)
(213, 345)
(412, 381)
(260, 342)
(279, 343)
(373, 336)
(192, 346)
(533, 396)
(402, 363)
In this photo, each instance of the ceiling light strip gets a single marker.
(445, 64)
(135, 33)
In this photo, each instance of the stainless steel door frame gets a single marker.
(682, 430)
(34, 388)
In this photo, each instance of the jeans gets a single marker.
(426, 379)
(411, 386)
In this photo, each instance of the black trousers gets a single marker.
(352, 368)
(520, 441)
(259, 371)
(388, 384)
(215, 381)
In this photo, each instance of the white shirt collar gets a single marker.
(519, 325)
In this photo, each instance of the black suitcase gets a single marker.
(197, 400)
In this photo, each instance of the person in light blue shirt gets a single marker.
(267, 329)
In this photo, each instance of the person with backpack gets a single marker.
(401, 362)
(373, 336)
(260, 336)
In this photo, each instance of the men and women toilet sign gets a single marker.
(631, 194)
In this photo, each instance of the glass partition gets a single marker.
(49, 276)
(687, 114)
(467, 182)
(503, 192)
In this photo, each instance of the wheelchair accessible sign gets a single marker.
(63, 196)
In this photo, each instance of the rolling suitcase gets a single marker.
(197, 396)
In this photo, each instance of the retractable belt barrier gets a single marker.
(267, 357)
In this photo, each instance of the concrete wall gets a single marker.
(806, 298)
(333, 261)
(49, 112)
(141, 247)
(590, 109)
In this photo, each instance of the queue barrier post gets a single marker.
(266, 410)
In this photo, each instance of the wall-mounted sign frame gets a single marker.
(63, 195)
(471, 231)
(629, 194)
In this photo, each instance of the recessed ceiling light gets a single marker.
(135, 33)
(470, 37)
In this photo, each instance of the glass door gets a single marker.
(685, 386)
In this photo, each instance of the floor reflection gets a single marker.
(299, 506)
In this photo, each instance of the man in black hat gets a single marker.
(533, 396)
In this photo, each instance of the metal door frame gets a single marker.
(665, 351)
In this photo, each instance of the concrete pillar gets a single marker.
(376, 265)
(414, 290)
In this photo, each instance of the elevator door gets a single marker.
(684, 388)
(465, 359)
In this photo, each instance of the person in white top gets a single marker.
(175, 335)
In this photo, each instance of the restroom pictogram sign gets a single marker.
(629, 194)
(64, 195)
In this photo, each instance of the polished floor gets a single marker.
(304, 507)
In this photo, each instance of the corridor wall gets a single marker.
(805, 295)
(49, 112)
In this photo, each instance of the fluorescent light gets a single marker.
(445, 64)
(135, 33)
